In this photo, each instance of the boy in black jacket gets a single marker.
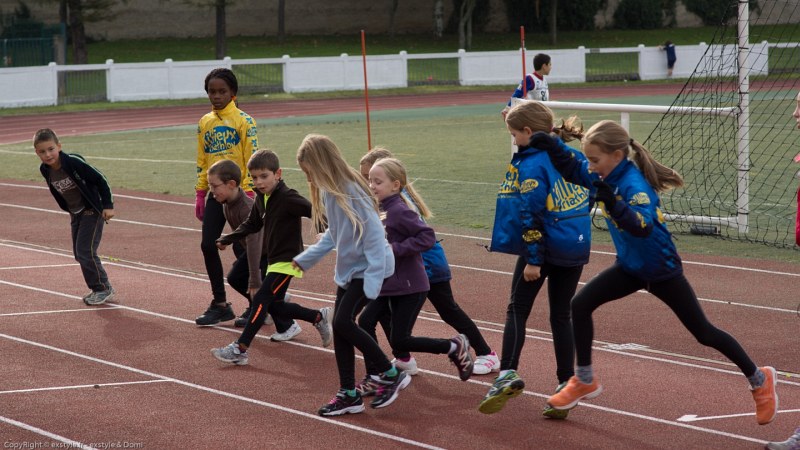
(279, 210)
(84, 193)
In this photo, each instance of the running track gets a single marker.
(159, 387)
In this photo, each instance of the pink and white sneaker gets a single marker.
(486, 364)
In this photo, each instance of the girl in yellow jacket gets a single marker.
(224, 133)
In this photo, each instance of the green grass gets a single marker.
(456, 155)
(150, 50)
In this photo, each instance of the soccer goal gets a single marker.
(739, 174)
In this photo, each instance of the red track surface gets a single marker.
(175, 395)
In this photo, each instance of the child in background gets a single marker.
(625, 181)
(796, 115)
(278, 210)
(440, 295)
(536, 87)
(669, 47)
(403, 293)
(341, 199)
(224, 133)
(83, 192)
(224, 178)
(545, 221)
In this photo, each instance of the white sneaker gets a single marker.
(287, 335)
(485, 364)
(409, 367)
(268, 321)
(324, 326)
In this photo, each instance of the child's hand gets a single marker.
(220, 245)
(531, 273)
(108, 214)
(604, 194)
(543, 141)
(296, 266)
(200, 204)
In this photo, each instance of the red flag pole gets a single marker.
(522, 44)
(366, 88)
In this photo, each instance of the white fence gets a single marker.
(45, 85)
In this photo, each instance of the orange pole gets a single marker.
(522, 43)
(366, 87)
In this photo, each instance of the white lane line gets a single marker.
(477, 238)
(42, 266)
(82, 386)
(696, 418)
(222, 393)
(69, 442)
(55, 311)
(530, 393)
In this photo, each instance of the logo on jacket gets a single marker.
(567, 196)
(531, 236)
(220, 139)
(528, 185)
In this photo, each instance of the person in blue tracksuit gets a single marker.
(625, 181)
(545, 221)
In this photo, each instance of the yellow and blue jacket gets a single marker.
(229, 133)
(539, 215)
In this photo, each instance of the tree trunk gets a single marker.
(221, 37)
(281, 21)
(464, 20)
(438, 18)
(80, 53)
(553, 17)
(392, 14)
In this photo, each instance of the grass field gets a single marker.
(456, 155)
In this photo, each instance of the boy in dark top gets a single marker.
(278, 210)
(83, 192)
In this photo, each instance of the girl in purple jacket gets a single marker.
(403, 293)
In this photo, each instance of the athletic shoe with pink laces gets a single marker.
(486, 364)
(574, 392)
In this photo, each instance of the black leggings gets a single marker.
(561, 285)
(441, 297)
(213, 224)
(239, 277)
(347, 336)
(269, 298)
(613, 283)
(402, 311)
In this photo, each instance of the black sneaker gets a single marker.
(389, 388)
(342, 403)
(241, 321)
(216, 314)
(461, 357)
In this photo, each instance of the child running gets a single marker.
(224, 178)
(341, 199)
(224, 133)
(279, 211)
(83, 192)
(440, 295)
(536, 87)
(403, 294)
(545, 221)
(625, 180)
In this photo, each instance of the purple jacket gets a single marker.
(409, 236)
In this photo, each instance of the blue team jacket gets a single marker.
(539, 215)
(637, 226)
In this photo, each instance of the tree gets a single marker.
(465, 24)
(76, 14)
(220, 28)
(281, 21)
(438, 18)
(392, 14)
(553, 21)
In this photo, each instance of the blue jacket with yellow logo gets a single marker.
(636, 223)
(539, 215)
(228, 133)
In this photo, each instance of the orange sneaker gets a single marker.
(574, 392)
(765, 396)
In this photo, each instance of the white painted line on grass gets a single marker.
(695, 418)
(43, 266)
